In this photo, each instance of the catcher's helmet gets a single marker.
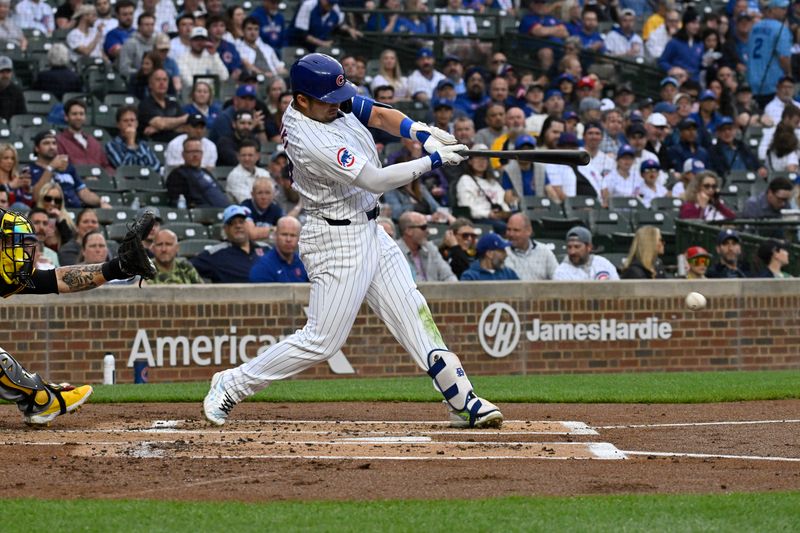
(322, 77)
(17, 249)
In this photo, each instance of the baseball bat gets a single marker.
(555, 157)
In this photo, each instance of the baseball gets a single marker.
(695, 301)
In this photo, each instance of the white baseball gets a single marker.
(695, 301)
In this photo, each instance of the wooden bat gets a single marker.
(556, 157)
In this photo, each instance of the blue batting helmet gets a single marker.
(322, 77)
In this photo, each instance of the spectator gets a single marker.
(239, 184)
(263, 211)
(698, 260)
(562, 180)
(163, 12)
(685, 49)
(734, 50)
(644, 257)
(94, 249)
(275, 88)
(64, 13)
(242, 131)
(9, 31)
(657, 40)
(769, 51)
(51, 201)
(514, 128)
(702, 199)
(730, 153)
(690, 168)
(782, 154)
(480, 191)
(423, 81)
(82, 149)
(203, 103)
(50, 166)
(457, 25)
(650, 187)
(181, 43)
(12, 101)
(114, 39)
(518, 175)
(198, 61)
(491, 259)
(15, 182)
(613, 131)
(530, 259)
(388, 226)
(601, 163)
(137, 45)
(244, 100)
(315, 22)
(272, 24)
(729, 257)
(223, 49)
(281, 264)
(475, 96)
(195, 183)
(171, 269)
(105, 16)
(774, 255)
(657, 130)
(160, 115)
(591, 39)
(195, 129)
(621, 182)
(230, 261)
(236, 15)
(85, 222)
(35, 15)
(443, 114)
(389, 73)
(623, 40)
(769, 203)
(539, 23)
(458, 245)
(784, 96)
(707, 117)
(86, 38)
(44, 231)
(124, 149)
(423, 258)
(636, 134)
(581, 264)
(669, 89)
(60, 78)
(495, 124)
(138, 83)
(257, 56)
(412, 22)
(790, 117)
(453, 69)
(687, 146)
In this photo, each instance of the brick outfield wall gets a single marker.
(749, 325)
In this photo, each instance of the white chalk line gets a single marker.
(693, 424)
(713, 456)
(391, 458)
(342, 442)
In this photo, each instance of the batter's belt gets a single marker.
(371, 215)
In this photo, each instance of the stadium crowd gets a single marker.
(179, 106)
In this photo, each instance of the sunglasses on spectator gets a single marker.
(423, 227)
(700, 261)
(53, 199)
(710, 186)
(467, 235)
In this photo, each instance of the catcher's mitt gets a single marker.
(133, 258)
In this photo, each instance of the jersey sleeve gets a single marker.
(362, 109)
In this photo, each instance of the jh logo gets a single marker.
(499, 330)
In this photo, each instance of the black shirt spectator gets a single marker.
(59, 78)
(195, 183)
(160, 116)
(12, 101)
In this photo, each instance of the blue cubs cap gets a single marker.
(664, 107)
(568, 139)
(491, 241)
(233, 211)
(424, 52)
(524, 140)
(442, 102)
(708, 94)
(626, 149)
(565, 77)
(553, 92)
(444, 83)
(451, 58)
(693, 165)
(246, 90)
(724, 121)
(782, 4)
(726, 234)
(649, 164)
(570, 115)
(670, 80)
(686, 123)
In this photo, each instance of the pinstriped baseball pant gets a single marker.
(345, 264)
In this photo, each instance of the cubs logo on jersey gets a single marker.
(345, 158)
(602, 275)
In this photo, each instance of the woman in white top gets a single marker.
(782, 152)
(480, 191)
(651, 188)
(389, 73)
(621, 181)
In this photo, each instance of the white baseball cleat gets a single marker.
(218, 403)
(478, 414)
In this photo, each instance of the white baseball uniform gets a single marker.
(345, 263)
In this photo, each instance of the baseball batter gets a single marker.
(348, 256)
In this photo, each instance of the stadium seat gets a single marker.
(206, 215)
(186, 230)
(214, 231)
(116, 231)
(606, 222)
(623, 202)
(116, 199)
(39, 102)
(154, 198)
(666, 204)
(100, 182)
(664, 220)
(103, 115)
(189, 248)
(136, 178)
(117, 100)
(171, 215)
(27, 120)
(114, 215)
(556, 228)
(221, 173)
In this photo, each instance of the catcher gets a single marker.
(39, 400)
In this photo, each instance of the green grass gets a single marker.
(719, 512)
(684, 387)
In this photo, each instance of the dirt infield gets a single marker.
(357, 451)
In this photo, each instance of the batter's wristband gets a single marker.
(405, 128)
(113, 270)
(436, 160)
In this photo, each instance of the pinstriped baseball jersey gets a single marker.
(325, 160)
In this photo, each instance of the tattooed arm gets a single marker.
(77, 278)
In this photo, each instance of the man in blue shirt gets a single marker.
(232, 260)
(225, 49)
(117, 37)
(50, 166)
(491, 257)
(273, 24)
(769, 52)
(282, 264)
(540, 24)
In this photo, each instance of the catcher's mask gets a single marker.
(18, 248)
